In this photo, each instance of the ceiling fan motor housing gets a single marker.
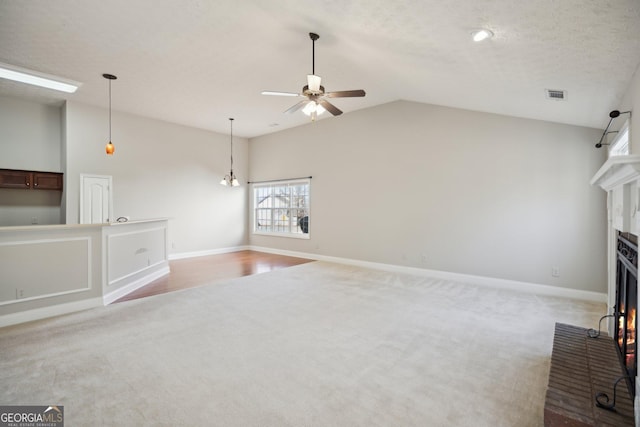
(311, 93)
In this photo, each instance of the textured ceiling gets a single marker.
(199, 62)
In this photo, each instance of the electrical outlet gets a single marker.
(34, 220)
(423, 258)
(19, 293)
(555, 271)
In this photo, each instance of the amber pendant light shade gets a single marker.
(110, 148)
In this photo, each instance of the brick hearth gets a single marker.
(580, 368)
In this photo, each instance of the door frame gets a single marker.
(84, 176)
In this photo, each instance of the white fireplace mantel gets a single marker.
(617, 171)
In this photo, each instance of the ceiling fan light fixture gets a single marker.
(313, 107)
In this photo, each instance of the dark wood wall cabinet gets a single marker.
(30, 180)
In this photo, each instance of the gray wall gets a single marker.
(30, 139)
(447, 189)
(403, 183)
(160, 170)
(30, 135)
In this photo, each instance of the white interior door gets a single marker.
(95, 199)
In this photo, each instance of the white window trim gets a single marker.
(304, 236)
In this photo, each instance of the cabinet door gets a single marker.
(15, 179)
(47, 181)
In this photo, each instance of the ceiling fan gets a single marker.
(316, 98)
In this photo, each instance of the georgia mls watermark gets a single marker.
(31, 416)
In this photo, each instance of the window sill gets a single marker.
(289, 235)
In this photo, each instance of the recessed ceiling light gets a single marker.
(36, 78)
(482, 34)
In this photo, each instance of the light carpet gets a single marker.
(317, 344)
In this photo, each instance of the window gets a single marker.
(282, 208)
(620, 144)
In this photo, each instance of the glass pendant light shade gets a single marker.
(309, 108)
(110, 148)
(313, 109)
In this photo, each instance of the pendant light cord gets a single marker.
(231, 121)
(109, 111)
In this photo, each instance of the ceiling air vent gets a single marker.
(558, 95)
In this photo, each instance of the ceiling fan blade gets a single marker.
(330, 107)
(276, 93)
(297, 106)
(346, 94)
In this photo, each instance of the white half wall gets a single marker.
(161, 169)
(449, 190)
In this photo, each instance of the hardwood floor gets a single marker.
(192, 272)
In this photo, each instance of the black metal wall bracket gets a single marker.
(612, 115)
(607, 404)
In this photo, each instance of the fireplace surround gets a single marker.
(626, 304)
(619, 176)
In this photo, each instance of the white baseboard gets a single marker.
(219, 251)
(137, 284)
(513, 285)
(50, 311)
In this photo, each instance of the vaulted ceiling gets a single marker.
(199, 62)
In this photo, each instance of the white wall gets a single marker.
(630, 100)
(30, 135)
(30, 139)
(161, 169)
(447, 189)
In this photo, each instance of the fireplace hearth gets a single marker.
(589, 369)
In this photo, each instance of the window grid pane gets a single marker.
(282, 208)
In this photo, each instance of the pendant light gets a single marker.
(230, 180)
(110, 147)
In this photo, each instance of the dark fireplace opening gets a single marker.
(626, 304)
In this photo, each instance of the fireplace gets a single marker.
(626, 304)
